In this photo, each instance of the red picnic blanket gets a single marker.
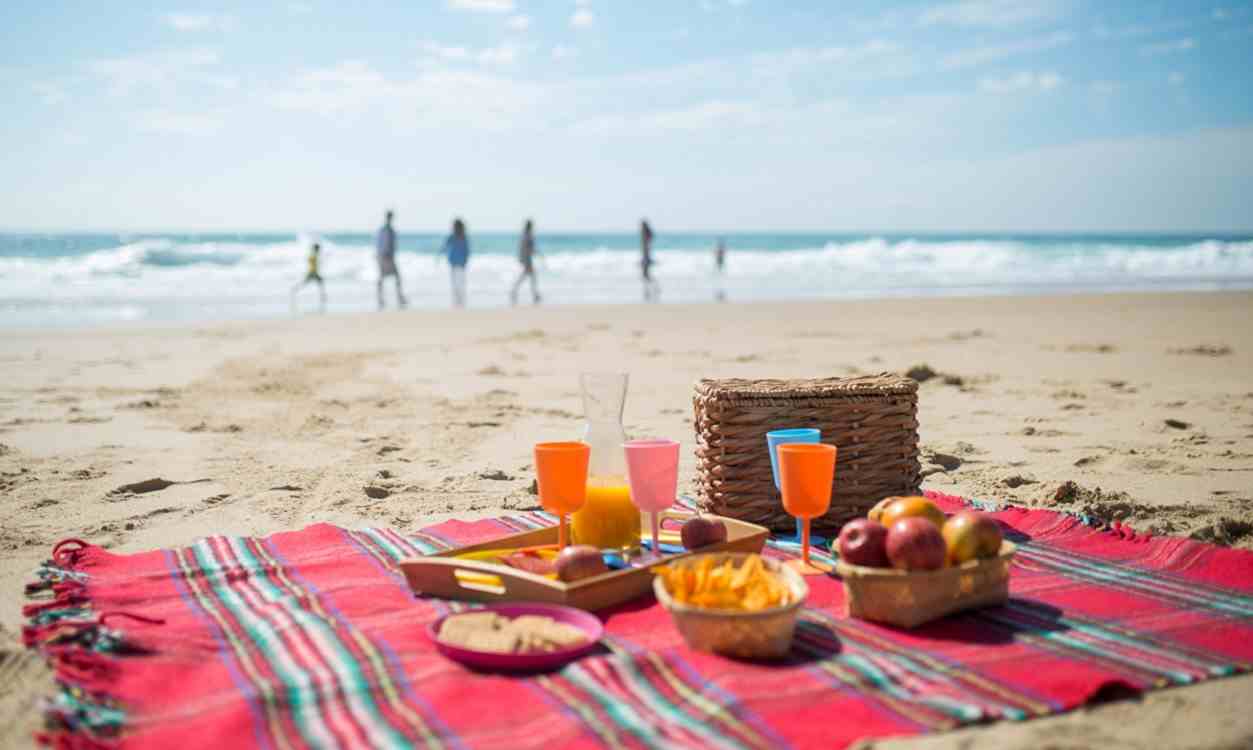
(312, 639)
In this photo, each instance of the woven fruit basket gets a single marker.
(764, 634)
(872, 420)
(911, 598)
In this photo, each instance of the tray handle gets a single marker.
(453, 578)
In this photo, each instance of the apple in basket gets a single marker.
(876, 513)
(864, 542)
(915, 543)
(970, 535)
(911, 507)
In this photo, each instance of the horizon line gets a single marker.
(633, 230)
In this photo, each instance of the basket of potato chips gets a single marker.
(741, 605)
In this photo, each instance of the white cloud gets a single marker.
(164, 122)
(1025, 81)
(737, 3)
(562, 52)
(506, 53)
(582, 18)
(181, 21)
(519, 22)
(1175, 78)
(974, 56)
(1173, 46)
(988, 13)
(501, 54)
(432, 99)
(444, 52)
(482, 6)
(299, 8)
(124, 75)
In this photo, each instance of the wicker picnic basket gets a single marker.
(872, 420)
(911, 598)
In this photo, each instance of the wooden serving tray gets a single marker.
(445, 576)
(911, 598)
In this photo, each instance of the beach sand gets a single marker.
(1143, 402)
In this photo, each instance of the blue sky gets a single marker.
(1048, 115)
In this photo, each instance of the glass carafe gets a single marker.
(608, 519)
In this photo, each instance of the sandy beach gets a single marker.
(1135, 407)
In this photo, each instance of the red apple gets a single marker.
(702, 531)
(971, 535)
(579, 561)
(864, 542)
(914, 543)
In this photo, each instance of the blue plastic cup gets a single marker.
(774, 439)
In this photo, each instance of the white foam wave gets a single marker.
(162, 278)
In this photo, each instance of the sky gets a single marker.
(729, 115)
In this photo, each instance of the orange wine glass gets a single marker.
(561, 473)
(807, 474)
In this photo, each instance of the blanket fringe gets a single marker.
(73, 741)
(81, 650)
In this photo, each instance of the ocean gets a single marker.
(88, 279)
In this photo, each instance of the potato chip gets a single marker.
(751, 586)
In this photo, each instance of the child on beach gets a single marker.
(526, 257)
(457, 250)
(312, 276)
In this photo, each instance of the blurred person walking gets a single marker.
(526, 257)
(386, 247)
(720, 266)
(312, 276)
(651, 289)
(456, 249)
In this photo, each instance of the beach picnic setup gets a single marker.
(805, 593)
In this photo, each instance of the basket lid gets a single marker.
(740, 389)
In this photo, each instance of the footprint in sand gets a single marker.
(156, 484)
(1203, 350)
(1018, 480)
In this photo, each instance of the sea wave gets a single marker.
(171, 278)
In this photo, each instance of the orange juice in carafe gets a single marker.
(608, 518)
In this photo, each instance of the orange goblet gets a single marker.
(561, 473)
(806, 475)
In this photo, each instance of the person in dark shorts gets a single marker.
(386, 246)
(651, 290)
(526, 257)
(312, 277)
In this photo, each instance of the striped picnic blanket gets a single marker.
(311, 639)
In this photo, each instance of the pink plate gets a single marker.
(496, 661)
